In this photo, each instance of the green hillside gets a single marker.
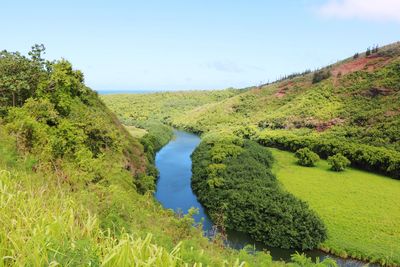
(357, 104)
(351, 107)
(164, 105)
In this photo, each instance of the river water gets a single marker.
(174, 192)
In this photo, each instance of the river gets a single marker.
(174, 192)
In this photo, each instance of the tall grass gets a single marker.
(43, 225)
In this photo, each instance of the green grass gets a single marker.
(136, 132)
(360, 209)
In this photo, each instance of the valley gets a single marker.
(200, 133)
(351, 111)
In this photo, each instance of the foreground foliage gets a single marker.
(44, 223)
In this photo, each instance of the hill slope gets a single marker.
(357, 103)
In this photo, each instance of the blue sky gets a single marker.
(207, 44)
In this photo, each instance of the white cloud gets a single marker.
(375, 10)
(225, 66)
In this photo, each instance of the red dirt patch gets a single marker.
(392, 113)
(280, 94)
(283, 88)
(328, 124)
(363, 63)
(352, 66)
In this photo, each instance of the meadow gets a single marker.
(358, 208)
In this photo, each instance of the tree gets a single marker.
(14, 78)
(306, 157)
(36, 53)
(20, 76)
(338, 162)
(356, 55)
(368, 52)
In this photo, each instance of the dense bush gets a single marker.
(321, 75)
(371, 158)
(338, 162)
(305, 157)
(233, 180)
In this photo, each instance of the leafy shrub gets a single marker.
(304, 261)
(241, 189)
(321, 75)
(338, 162)
(145, 183)
(306, 157)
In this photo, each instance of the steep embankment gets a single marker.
(351, 107)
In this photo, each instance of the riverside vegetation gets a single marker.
(350, 108)
(76, 187)
(233, 180)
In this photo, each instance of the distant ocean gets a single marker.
(109, 92)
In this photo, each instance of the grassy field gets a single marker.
(359, 209)
(135, 132)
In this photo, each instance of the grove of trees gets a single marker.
(232, 178)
